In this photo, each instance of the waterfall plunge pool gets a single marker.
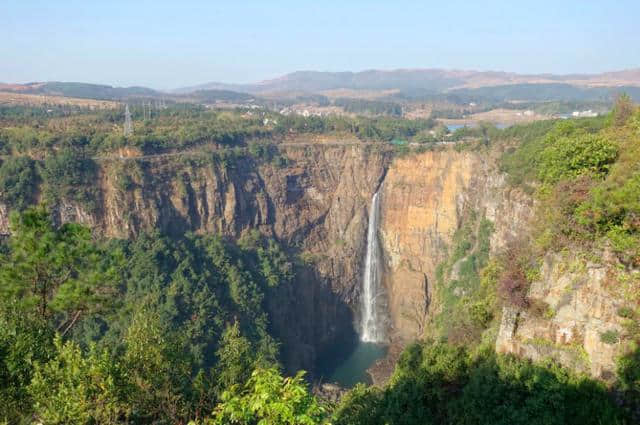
(352, 369)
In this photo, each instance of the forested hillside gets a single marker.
(148, 330)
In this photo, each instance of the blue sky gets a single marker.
(165, 44)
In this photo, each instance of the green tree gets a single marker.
(568, 157)
(269, 398)
(75, 389)
(70, 175)
(24, 341)
(235, 357)
(18, 182)
(158, 368)
(58, 273)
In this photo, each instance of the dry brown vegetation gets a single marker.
(7, 98)
(503, 116)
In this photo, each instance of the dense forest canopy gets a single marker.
(145, 330)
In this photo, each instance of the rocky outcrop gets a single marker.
(576, 321)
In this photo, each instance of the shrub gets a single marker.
(569, 157)
(481, 313)
(540, 309)
(72, 388)
(610, 337)
(69, 175)
(625, 244)
(628, 371)
(626, 312)
(622, 110)
(635, 121)
(440, 384)
(269, 398)
(513, 284)
(18, 182)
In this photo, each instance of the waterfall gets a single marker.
(372, 324)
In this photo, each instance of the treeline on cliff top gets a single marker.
(178, 127)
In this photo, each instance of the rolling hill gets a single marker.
(437, 80)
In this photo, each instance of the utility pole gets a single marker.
(128, 125)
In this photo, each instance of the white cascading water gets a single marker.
(372, 325)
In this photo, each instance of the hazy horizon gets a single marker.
(163, 46)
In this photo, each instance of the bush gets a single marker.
(439, 384)
(24, 340)
(18, 182)
(522, 163)
(513, 284)
(72, 388)
(269, 398)
(569, 157)
(622, 110)
(626, 312)
(628, 372)
(625, 244)
(69, 175)
(610, 337)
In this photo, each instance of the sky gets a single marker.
(166, 45)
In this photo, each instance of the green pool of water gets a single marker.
(353, 369)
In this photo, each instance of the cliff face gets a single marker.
(425, 200)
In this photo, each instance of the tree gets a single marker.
(70, 175)
(24, 341)
(75, 389)
(569, 157)
(159, 369)
(58, 273)
(18, 182)
(269, 398)
(622, 110)
(235, 357)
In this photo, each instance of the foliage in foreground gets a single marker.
(442, 384)
(269, 398)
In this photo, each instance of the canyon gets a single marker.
(318, 206)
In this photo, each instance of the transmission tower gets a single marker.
(128, 125)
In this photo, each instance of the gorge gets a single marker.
(317, 207)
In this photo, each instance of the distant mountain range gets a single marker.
(407, 84)
(436, 80)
